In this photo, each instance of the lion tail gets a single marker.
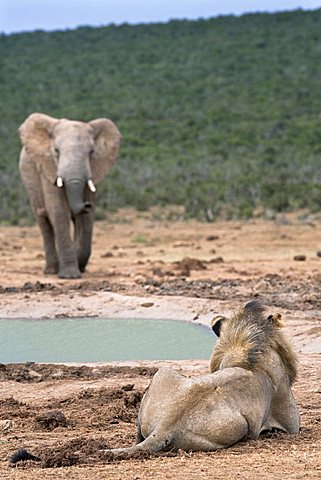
(154, 443)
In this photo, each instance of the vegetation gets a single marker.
(219, 115)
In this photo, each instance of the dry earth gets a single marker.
(146, 266)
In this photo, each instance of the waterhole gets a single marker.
(102, 340)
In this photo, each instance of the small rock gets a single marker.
(309, 298)
(139, 278)
(262, 286)
(158, 272)
(133, 399)
(6, 424)
(211, 238)
(319, 253)
(179, 244)
(188, 263)
(216, 260)
(147, 304)
(299, 258)
(107, 255)
(128, 387)
(58, 374)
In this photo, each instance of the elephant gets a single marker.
(61, 161)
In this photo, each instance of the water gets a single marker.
(102, 340)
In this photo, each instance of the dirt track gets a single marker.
(148, 267)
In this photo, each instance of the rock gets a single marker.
(216, 260)
(107, 255)
(262, 286)
(133, 399)
(35, 375)
(58, 374)
(179, 244)
(6, 424)
(128, 387)
(211, 238)
(188, 263)
(299, 258)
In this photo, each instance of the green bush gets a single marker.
(218, 115)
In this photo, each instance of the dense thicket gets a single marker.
(216, 115)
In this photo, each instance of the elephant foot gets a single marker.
(51, 269)
(82, 262)
(82, 268)
(69, 272)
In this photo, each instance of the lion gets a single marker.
(248, 391)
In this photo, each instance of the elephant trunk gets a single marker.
(75, 195)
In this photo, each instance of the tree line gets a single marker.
(221, 116)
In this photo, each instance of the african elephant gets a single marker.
(60, 163)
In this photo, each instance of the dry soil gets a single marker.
(144, 265)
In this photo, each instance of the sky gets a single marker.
(29, 15)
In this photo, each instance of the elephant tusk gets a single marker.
(59, 182)
(91, 186)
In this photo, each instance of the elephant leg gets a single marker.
(32, 182)
(83, 238)
(52, 262)
(68, 264)
(59, 217)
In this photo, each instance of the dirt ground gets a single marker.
(147, 265)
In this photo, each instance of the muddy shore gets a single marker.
(148, 267)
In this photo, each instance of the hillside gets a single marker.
(219, 115)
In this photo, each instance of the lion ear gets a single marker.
(107, 139)
(276, 320)
(216, 324)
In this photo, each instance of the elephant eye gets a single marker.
(91, 151)
(57, 152)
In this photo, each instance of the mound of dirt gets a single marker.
(187, 264)
(37, 372)
(50, 420)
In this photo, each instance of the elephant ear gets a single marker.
(107, 140)
(35, 134)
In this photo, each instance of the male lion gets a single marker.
(249, 390)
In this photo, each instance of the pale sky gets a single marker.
(28, 15)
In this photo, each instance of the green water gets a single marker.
(102, 340)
